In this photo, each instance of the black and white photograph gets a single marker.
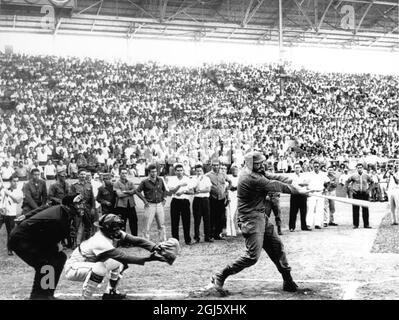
(224, 152)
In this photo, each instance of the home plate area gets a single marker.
(239, 289)
(257, 289)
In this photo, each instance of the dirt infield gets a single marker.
(387, 239)
(332, 263)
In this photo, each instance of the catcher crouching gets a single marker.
(97, 257)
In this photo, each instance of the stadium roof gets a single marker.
(322, 23)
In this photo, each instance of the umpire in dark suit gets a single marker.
(36, 240)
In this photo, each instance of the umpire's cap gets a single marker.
(253, 157)
(69, 200)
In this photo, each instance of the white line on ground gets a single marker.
(380, 281)
(350, 290)
(280, 280)
(349, 287)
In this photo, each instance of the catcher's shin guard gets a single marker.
(90, 285)
(116, 276)
(112, 292)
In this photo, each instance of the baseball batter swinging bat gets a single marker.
(354, 202)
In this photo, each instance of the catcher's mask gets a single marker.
(110, 225)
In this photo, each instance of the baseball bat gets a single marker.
(354, 202)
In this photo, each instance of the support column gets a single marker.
(280, 28)
(280, 43)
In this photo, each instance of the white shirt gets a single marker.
(91, 248)
(11, 206)
(96, 185)
(343, 178)
(110, 161)
(202, 182)
(41, 156)
(299, 179)
(234, 181)
(38, 168)
(374, 178)
(282, 165)
(6, 172)
(140, 169)
(101, 158)
(61, 168)
(174, 182)
(115, 173)
(239, 158)
(391, 182)
(187, 169)
(105, 153)
(382, 179)
(234, 184)
(316, 180)
(128, 152)
(50, 170)
(352, 164)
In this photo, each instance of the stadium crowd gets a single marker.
(68, 115)
(93, 114)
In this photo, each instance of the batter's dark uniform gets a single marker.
(273, 204)
(36, 240)
(258, 232)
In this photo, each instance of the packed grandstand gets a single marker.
(96, 113)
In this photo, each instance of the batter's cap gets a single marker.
(253, 157)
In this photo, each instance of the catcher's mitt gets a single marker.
(168, 249)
